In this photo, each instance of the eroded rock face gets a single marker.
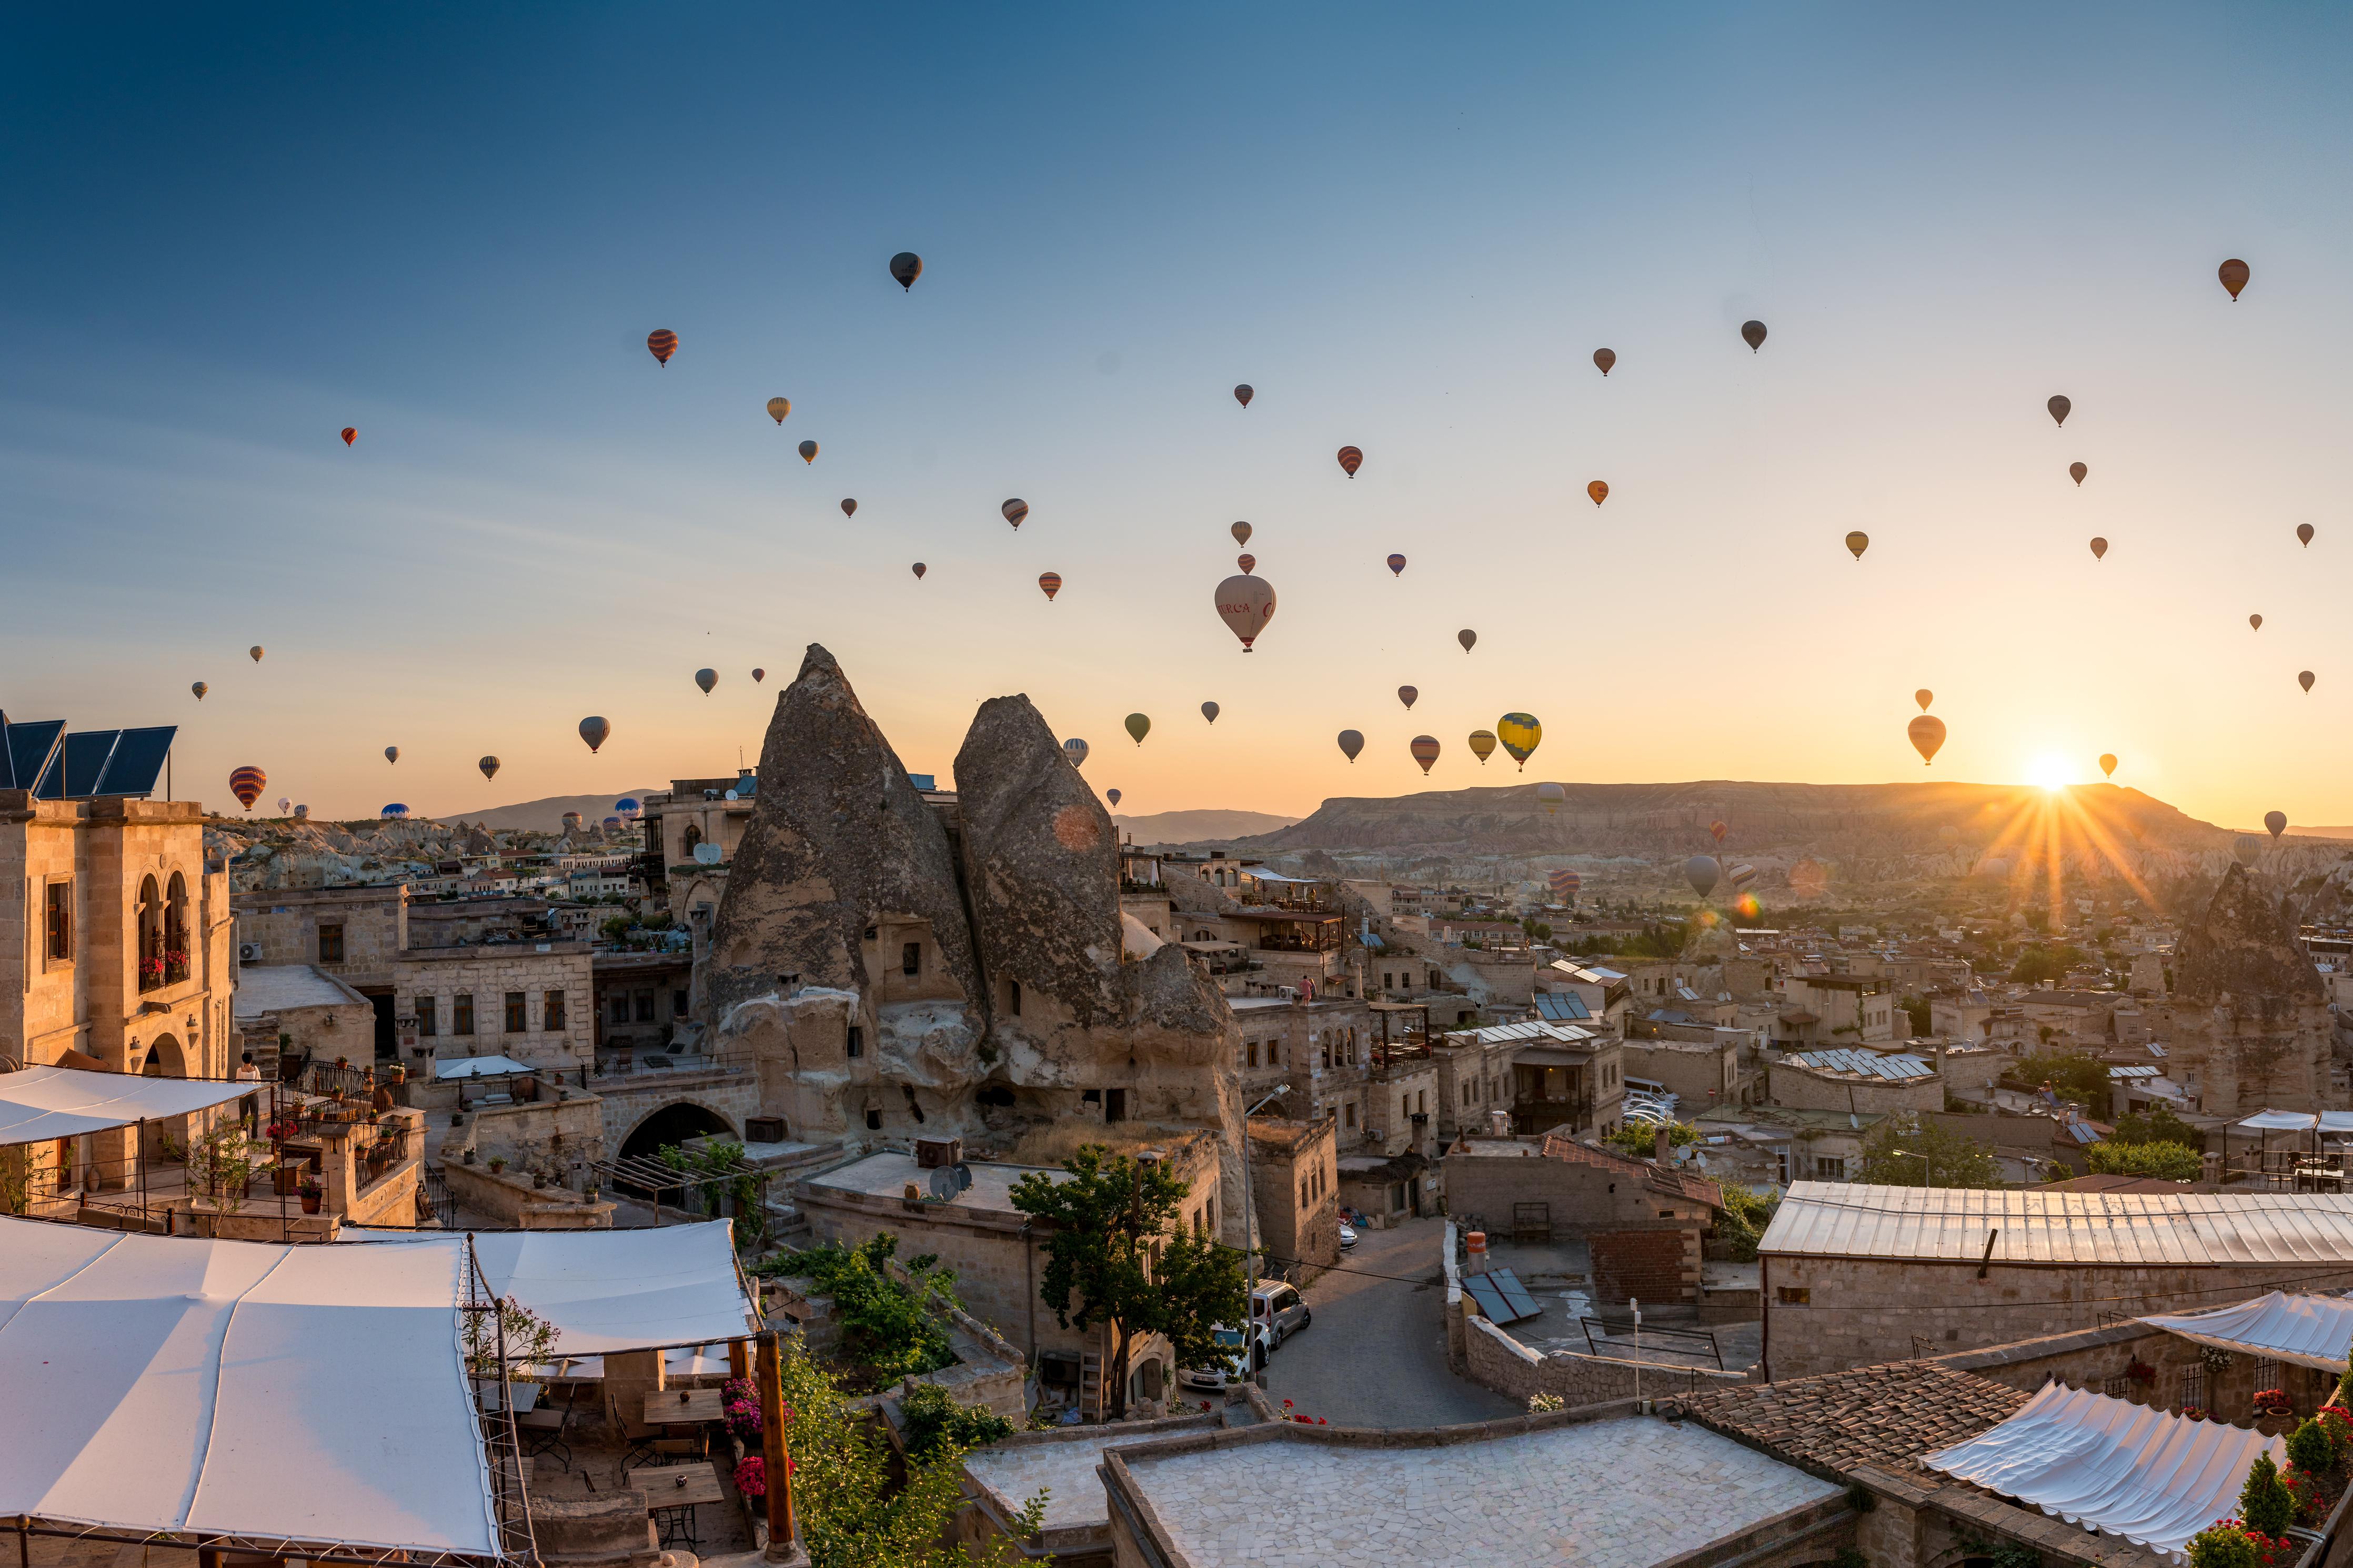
(2248, 1018)
(2242, 947)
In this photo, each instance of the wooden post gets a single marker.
(739, 1358)
(774, 1460)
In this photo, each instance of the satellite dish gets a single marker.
(731, 795)
(943, 1184)
(963, 1174)
(707, 854)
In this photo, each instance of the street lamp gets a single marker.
(1926, 1170)
(1249, 1206)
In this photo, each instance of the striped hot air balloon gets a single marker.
(1397, 566)
(1483, 745)
(1425, 751)
(246, 783)
(1566, 883)
(394, 810)
(663, 342)
(1351, 459)
(350, 434)
(1520, 733)
(1051, 582)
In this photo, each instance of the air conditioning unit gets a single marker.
(931, 1154)
(765, 1129)
(1375, 1135)
(248, 953)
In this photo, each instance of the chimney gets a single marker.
(1499, 1123)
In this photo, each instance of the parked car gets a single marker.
(1348, 1236)
(1236, 1367)
(1276, 1308)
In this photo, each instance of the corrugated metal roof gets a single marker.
(1844, 1219)
(1531, 1029)
(1897, 1066)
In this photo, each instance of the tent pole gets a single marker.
(776, 1462)
(139, 1152)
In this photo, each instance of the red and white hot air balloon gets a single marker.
(1246, 603)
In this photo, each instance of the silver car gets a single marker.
(1277, 1307)
(1235, 1368)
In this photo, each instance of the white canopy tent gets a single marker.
(2310, 1331)
(272, 1396)
(480, 1066)
(608, 1290)
(2109, 1465)
(40, 1103)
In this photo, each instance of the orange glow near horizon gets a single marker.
(2042, 832)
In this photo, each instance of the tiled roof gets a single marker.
(1871, 1415)
(1658, 1178)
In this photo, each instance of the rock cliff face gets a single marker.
(2249, 1020)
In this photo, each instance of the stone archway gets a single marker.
(162, 1057)
(673, 1123)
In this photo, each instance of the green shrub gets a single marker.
(1640, 1138)
(893, 1328)
(2309, 1450)
(2222, 1547)
(2164, 1162)
(935, 1423)
(1746, 1217)
(2264, 1503)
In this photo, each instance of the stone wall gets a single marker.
(1659, 1266)
(1806, 1091)
(561, 1133)
(1580, 1195)
(487, 973)
(2095, 1358)
(285, 921)
(1701, 1073)
(626, 1100)
(514, 1200)
(1492, 1359)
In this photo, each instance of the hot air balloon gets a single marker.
(571, 822)
(1716, 830)
(199, 688)
(849, 507)
(1701, 871)
(809, 451)
(490, 766)
(706, 678)
(1598, 491)
(609, 823)
(1466, 636)
(1924, 697)
(301, 812)
(1604, 358)
(1245, 604)
(1406, 694)
(1351, 459)
(2234, 275)
(1397, 566)
(1564, 884)
(2099, 548)
(254, 653)
(1857, 543)
(1246, 562)
(906, 267)
(247, 784)
(2303, 679)
(1243, 393)
(1139, 725)
(1051, 584)
(1111, 795)
(629, 807)
(2304, 532)
(351, 434)
(2060, 408)
(919, 569)
(1551, 796)
(394, 810)
(663, 342)
(2076, 471)
(1351, 743)
(1483, 745)
(1519, 732)
(1742, 876)
(392, 753)
(1015, 510)
(284, 804)
(778, 407)
(2275, 823)
(1241, 532)
(2256, 621)
(2107, 764)
(1753, 334)
(1425, 751)
(594, 729)
(1928, 733)
(2248, 849)
(1209, 712)
(758, 675)
(1076, 750)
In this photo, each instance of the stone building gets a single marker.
(528, 1000)
(1699, 1072)
(2248, 1025)
(1644, 1222)
(351, 934)
(1855, 1081)
(1296, 1178)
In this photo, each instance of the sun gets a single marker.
(2051, 771)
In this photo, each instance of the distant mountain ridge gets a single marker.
(1197, 827)
(547, 815)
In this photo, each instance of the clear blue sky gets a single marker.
(240, 231)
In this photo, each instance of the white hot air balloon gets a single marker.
(1701, 871)
(1246, 603)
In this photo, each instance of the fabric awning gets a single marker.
(2122, 1469)
(2278, 1121)
(609, 1290)
(252, 1390)
(66, 1102)
(479, 1067)
(2310, 1331)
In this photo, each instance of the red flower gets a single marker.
(1286, 1405)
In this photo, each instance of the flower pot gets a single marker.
(310, 1202)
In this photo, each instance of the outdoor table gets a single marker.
(2319, 1179)
(672, 1492)
(682, 1406)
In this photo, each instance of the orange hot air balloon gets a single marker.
(1604, 358)
(1753, 334)
(2234, 275)
(1598, 491)
(778, 407)
(1924, 697)
(2256, 621)
(1425, 751)
(2303, 679)
(1716, 830)
(1928, 733)
(351, 434)
(1351, 459)
(1246, 560)
(246, 783)
(2108, 764)
(1406, 694)
(809, 451)
(849, 507)
(2303, 533)
(1351, 743)
(1051, 582)
(1243, 393)
(1483, 745)
(2076, 471)
(662, 343)
(2060, 408)
(1857, 543)
(2099, 548)
(1245, 604)
(1015, 510)
(920, 570)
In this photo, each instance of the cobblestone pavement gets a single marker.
(1609, 1494)
(1376, 1353)
(1064, 1471)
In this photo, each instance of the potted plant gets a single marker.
(497, 1163)
(313, 1195)
(2272, 1401)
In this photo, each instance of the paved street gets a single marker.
(1376, 1353)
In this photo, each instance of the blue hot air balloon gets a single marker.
(395, 810)
(628, 807)
(612, 822)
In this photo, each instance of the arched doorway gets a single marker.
(672, 1125)
(163, 1058)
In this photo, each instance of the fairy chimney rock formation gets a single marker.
(2249, 1020)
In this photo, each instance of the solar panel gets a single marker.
(1515, 1295)
(1487, 1289)
(31, 748)
(138, 760)
(86, 758)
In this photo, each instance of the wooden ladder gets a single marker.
(1091, 1384)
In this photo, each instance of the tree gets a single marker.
(2158, 1124)
(1952, 1161)
(1641, 1139)
(2166, 1161)
(892, 1328)
(1120, 1247)
(1916, 1009)
(2074, 1074)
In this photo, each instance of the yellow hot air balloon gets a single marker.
(1599, 490)
(1858, 542)
(1519, 734)
(778, 407)
(2107, 764)
(1551, 795)
(1483, 745)
(255, 653)
(1139, 726)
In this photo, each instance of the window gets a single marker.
(1795, 1296)
(551, 1011)
(1115, 1105)
(620, 1008)
(60, 922)
(1405, 1106)
(1014, 987)
(693, 837)
(911, 958)
(1829, 1167)
(680, 1003)
(856, 1044)
(331, 944)
(2116, 1387)
(1348, 1117)
(461, 1012)
(645, 1006)
(518, 1015)
(1303, 1192)
(2267, 1374)
(1251, 1048)
(427, 1025)
(2194, 1388)
(1421, 1101)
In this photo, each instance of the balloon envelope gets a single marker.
(1245, 604)
(392, 753)
(2060, 408)
(1139, 725)
(1742, 876)
(1051, 582)
(1716, 830)
(393, 809)
(2234, 275)
(2076, 471)
(919, 569)
(199, 688)
(283, 804)
(246, 783)
(1351, 743)
(629, 807)
(1425, 750)
(2303, 679)
(778, 407)
(2247, 847)
(1406, 694)
(1483, 745)
(2099, 548)
(2256, 621)
(706, 678)
(2275, 823)
(350, 434)
(1857, 543)
(849, 507)
(1209, 712)
(1076, 750)
(2304, 532)
(1551, 795)
(1598, 491)
(1397, 566)
(594, 729)
(663, 342)
(1753, 334)
(2107, 764)
(1241, 532)
(758, 675)
(1015, 510)
(1928, 733)
(1246, 562)
(1519, 732)
(1466, 636)
(1604, 358)
(1924, 697)
(490, 766)
(906, 267)
(809, 451)
(1111, 795)
(254, 653)
(1243, 393)
(1701, 871)
(1351, 459)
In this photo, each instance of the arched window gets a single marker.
(177, 951)
(150, 935)
(692, 837)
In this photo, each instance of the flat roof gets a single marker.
(280, 987)
(1062, 1466)
(886, 1175)
(1844, 1220)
